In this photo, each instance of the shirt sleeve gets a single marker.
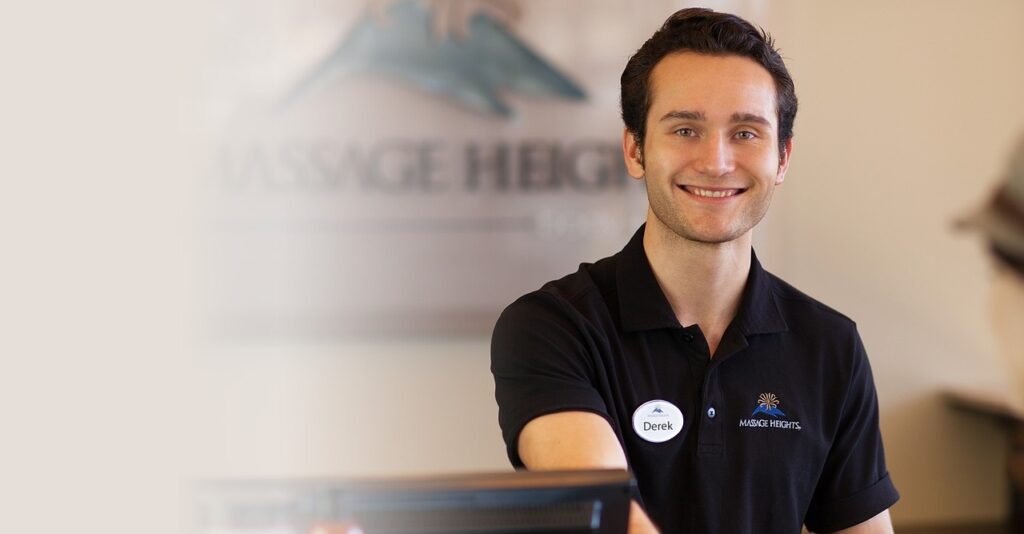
(854, 485)
(541, 362)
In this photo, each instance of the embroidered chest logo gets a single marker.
(768, 405)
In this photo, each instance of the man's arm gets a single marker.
(578, 440)
(880, 524)
(854, 482)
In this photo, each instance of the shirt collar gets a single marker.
(643, 306)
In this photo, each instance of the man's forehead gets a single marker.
(705, 84)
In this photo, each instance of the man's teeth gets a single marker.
(712, 194)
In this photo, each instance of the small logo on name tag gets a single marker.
(657, 421)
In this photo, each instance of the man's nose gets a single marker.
(715, 156)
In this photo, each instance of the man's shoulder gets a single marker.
(800, 309)
(581, 293)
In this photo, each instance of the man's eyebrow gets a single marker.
(750, 117)
(683, 115)
(699, 116)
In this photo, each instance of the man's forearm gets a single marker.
(639, 523)
(578, 440)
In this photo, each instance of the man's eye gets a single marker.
(745, 134)
(685, 132)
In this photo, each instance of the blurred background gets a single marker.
(268, 239)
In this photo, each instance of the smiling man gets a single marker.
(739, 403)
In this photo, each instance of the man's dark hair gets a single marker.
(704, 31)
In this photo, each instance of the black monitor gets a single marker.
(564, 502)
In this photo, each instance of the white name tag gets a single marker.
(657, 421)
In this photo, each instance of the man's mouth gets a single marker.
(711, 193)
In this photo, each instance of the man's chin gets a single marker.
(713, 234)
(709, 237)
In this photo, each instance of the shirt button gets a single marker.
(711, 412)
(687, 337)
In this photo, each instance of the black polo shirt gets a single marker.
(779, 429)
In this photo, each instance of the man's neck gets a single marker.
(703, 282)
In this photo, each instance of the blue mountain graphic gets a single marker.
(468, 72)
(774, 412)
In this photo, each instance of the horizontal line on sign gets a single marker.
(420, 224)
(477, 224)
(450, 321)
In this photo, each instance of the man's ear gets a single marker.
(633, 154)
(784, 156)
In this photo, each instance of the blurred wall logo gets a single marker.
(393, 195)
(457, 49)
(461, 51)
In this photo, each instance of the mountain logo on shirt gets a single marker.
(657, 409)
(768, 404)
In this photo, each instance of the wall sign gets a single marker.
(416, 173)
